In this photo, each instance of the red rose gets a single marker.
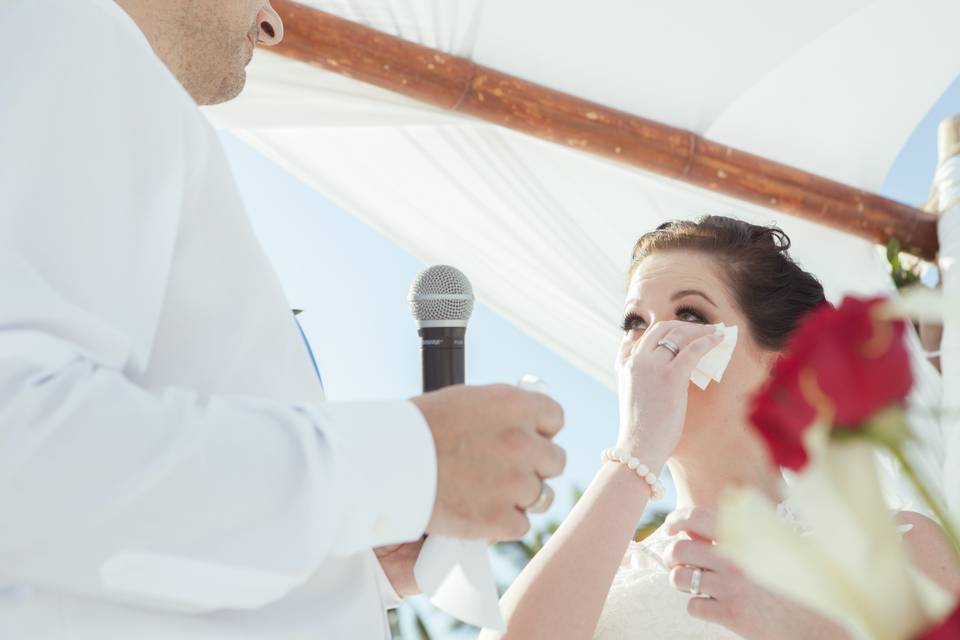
(781, 414)
(949, 629)
(843, 365)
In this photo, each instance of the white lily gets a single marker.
(925, 305)
(850, 564)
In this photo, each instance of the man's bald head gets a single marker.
(207, 44)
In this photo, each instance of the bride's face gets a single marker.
(687, 286)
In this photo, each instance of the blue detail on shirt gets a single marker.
(309, 350)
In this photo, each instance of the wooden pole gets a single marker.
(458, 84)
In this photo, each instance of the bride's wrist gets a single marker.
(648, 475)
(655, 461)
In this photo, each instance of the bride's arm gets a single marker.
(561, 592)
(930, 550)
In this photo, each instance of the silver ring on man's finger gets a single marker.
(670, 345)
(542, 503)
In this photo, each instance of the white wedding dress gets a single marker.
(643, 604)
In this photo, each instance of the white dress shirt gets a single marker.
(168, 465)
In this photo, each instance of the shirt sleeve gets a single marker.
(162, 497)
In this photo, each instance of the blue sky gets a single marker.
(359, 325)
(357, 319)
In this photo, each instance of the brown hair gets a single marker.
(772, 291)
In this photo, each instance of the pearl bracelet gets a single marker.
(643, 471)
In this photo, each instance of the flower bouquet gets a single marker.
(837, 394)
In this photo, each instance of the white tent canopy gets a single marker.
(833, 87)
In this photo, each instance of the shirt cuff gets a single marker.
(385, 471)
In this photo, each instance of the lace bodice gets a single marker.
(643, 605)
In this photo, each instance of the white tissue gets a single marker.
(457, 575)
(714, 363)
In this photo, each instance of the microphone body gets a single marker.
(442, 349)
(441, 302)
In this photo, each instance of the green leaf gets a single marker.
(893, 253)
(888, 427)
(394, 623)
(422, 628)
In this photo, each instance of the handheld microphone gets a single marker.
(441, 302)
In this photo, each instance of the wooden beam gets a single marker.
(458, 84)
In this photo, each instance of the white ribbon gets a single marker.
(457, 577)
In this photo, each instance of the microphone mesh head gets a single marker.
(441, 296)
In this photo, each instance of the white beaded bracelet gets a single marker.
(643, 471)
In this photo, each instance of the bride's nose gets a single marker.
(271, 26)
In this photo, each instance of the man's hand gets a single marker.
(494, 448)
(398, 561)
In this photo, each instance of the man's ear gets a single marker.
(271, 26)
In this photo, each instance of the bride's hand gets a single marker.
(653, 386)
(728, 597)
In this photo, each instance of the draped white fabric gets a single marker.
(949, 197)
(544, 232)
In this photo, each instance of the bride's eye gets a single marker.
(631, 322)
(689, 314)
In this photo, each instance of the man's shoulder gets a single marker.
(73, 28)
(54, 14)
(92, 48)
(87, 74)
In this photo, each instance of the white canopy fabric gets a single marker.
(834, 87)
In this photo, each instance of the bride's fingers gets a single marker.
(690, 356)
(698, 523)
(711, 584)
(679, 331)
(707, 609)
(627, 344)
(694, 553)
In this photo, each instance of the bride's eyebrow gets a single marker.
(630, 302)
(692, 292)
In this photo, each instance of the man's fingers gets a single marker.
(551, 459)
(544, 500)
(528, 491)
(516, 525)
(547, 414)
